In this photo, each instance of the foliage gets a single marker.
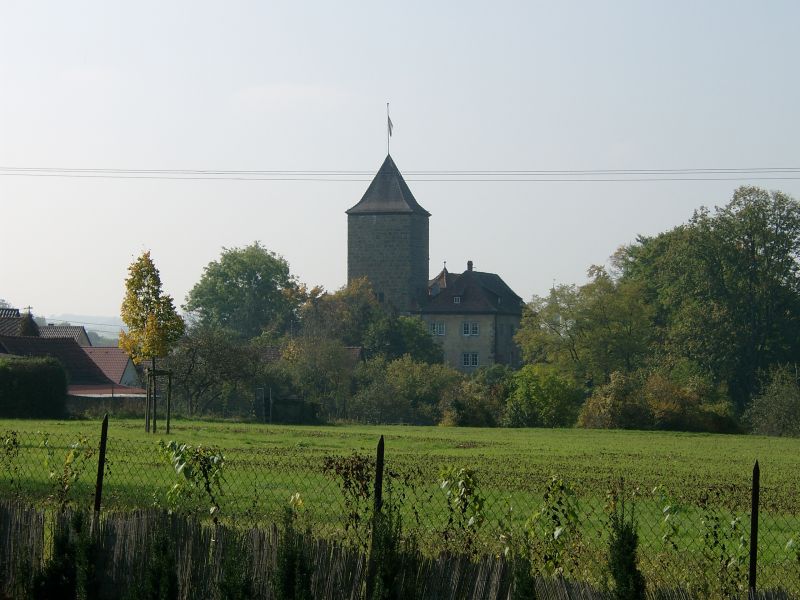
(629, 583)
(776, 410)
(392, 336)
(467, 404)
(552, 533)
(619, 404)
(291, 579)
(201, 471)
(541, 398)
(32, 388)
(394, 557)
(248, 290)
(588, 332)
(153, 323)
(321, 369)
(160, 578)
(208, 362)
(404, 390)
(465, 507)
(345, 315)
(64, 474)
(725, 287)
(70, 572)
(724, 550)
(355, 475)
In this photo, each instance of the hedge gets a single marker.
(34, 388)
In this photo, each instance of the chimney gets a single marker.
(469, 265)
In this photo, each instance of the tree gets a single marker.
(725, 287)
(206, 362)
(588, 332)
(153, 323)
(248, 290)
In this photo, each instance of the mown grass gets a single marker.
(265, 465)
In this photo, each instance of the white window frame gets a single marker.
(456, 299)
(474, 359)
(465, 328)
(474, 329)
(440, 328)
(465, 359)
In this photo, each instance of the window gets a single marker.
(469, 359)
(465, 359)
(433, 328)
(440, 328)
(456, 299)
(474, 359)
(470, 328)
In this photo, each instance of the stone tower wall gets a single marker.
(391, 250)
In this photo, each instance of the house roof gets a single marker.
(112, 361)
(478, 293)
(76, 332)
(388, 193)
(16, 325)
(79, 367)
(9, 312)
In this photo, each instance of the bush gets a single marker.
(629, 583)
(33, 388)
(618, 405)
(541, 398)
(776, 411)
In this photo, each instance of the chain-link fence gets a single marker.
(699, 542)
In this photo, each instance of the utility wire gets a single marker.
(442, 176)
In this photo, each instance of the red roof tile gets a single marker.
(112, 361)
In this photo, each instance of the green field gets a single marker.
(265, 465)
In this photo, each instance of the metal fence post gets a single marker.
(754, 531)
(101, 465)
(376, 511)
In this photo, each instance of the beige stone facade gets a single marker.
(470, 341)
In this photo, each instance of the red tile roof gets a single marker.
(79, 367)
(112, 361)
(478, 293)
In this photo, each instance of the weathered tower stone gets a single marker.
(387, 241)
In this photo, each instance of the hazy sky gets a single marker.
(303, 86)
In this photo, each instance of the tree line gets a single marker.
(692, 329)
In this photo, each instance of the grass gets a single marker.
(265, 465)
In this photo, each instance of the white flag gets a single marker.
(390, 125)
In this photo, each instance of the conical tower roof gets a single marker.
(388, 193)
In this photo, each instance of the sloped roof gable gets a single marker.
(388, 194)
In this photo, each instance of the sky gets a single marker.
(303, 86)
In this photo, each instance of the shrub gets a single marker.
(629, 583)
(32, 388)
(619, 404)
(776, 411)
(541, 398)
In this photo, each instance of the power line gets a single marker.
(441, 176)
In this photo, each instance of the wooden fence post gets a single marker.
(754, 531)
(147, 403)
(169, 399)
(376, 513)
(101, 465)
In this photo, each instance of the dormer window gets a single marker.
(456, 299)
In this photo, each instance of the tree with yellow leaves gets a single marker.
(153, 323)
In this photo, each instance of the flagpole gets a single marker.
(388, 131)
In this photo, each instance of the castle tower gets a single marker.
(387, 241)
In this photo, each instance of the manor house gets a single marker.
(473, 315)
